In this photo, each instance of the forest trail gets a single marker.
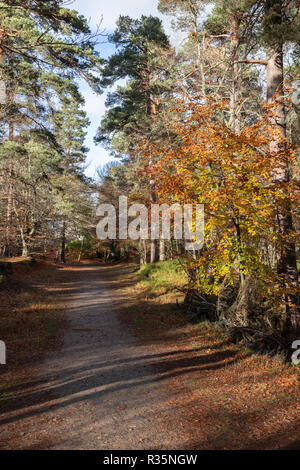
(148, 382)
(101, 389)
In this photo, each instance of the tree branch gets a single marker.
(252, 61)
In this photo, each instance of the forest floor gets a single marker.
(97, 362)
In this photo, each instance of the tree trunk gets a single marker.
(235, 22)
(151, 111)
(7, 248)
(81, 250)
(153, 243)
(162, 250)
(143, 253)
(24, 244)
(286, 254)
(25, 251)
(63, 243)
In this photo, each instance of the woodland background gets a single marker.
(214, 120)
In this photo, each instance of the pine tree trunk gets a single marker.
(235, 22)
(81, 250)
(286, 254)
(63, 243)
(151, 113)
(162, 250)
(153, 243)
(7, 248)
(143, 253)
(24, 245)
(25, 252)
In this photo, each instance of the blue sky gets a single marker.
(108, 11)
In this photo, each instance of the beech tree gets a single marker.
(256, 32)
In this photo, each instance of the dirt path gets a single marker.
(171, 386)
(100, 391)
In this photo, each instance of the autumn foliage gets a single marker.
(233, 175)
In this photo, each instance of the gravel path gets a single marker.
(100, 390)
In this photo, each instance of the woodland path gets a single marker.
(101, 389)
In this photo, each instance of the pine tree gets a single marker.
(43, 48)
(137, 42)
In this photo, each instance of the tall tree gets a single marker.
(279, 23)
(137, 43)
(44, 47)
(70, 123)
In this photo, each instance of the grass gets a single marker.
(163, 276)
(150, 298)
